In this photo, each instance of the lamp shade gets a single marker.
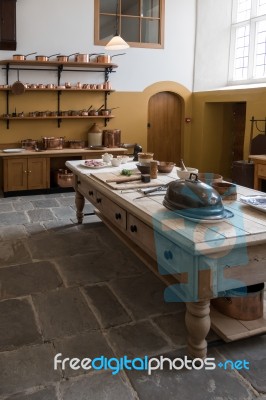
(116, 43)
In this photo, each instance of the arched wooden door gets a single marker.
(164, 126)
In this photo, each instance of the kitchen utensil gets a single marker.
(18, 87)
(182, 165)
(121, 179)
(63, 58)
(107, 157)
(165, 166)
(95, 136)
(45, 58)
(194, 199)
(21, 57)
(209, 177)
(106, 58)
(145, 157)
(226, 190)
(28, 144)
(112, 137)
(52, 143)
(185, 174)
(244, 303)
(76, 144)
(107, 111)
(144, 168)
(116, 162)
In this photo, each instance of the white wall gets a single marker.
(66, 26)
(212, 44)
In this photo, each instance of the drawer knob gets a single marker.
(99, 200)
(133, 228)
(78, 182)
(117, 216)
(90, 193)
(168, 255)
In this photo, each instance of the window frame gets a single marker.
(252, 22)
(99, 42)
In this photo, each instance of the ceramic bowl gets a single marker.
(185, 174)
(144, 168)
(116, 162)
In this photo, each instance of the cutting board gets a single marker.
(106, 176)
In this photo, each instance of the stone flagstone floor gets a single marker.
(77, 290)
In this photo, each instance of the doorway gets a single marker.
(165, 110)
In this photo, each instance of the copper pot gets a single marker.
(106, 59)
(82, 58)
(21, 57)
(65, 58)
(76, 144)
(28, 144)
(112, 137)
(52, 143)
(45, 58)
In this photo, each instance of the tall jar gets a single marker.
(95, 136)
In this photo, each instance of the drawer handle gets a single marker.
(78, 182)
(117, 216)
(133, 228)
(168, 255)
(90, 193)
(99, 200)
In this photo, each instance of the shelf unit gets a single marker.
(59, 67)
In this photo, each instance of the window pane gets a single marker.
(261, 10)
(107, 27)
(150, 31)
(108, 7)
(130, 7)
(151, 8)
(130, 29)
(260, 50)
(243, 10)
(241, 52)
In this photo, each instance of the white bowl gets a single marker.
(124, 159)
(116, 162)
(185, 174)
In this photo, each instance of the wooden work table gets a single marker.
(197, 261)
(259, 170)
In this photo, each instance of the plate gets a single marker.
(257, 201)
(101, 165)
(97, 148)
(13, 150)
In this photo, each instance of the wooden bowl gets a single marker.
(165, 166)
(209, 177)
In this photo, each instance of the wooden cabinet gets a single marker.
(26, 174)
(8, 25)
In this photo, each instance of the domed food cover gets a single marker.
(194, 199)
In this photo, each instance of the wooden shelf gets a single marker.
(57, 117)
(230, 329)
(35, 63)
(60, 90)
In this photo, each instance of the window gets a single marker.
(248, 41)
(139, 22)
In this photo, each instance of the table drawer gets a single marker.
(171, 258)
(114, 213)
(87, 190)
(262, 170)
(141, 233)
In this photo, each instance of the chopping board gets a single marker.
(105, 178)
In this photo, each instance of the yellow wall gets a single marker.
(211, 128)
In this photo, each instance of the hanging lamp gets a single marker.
(116, 43)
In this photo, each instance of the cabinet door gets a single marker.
(15, 171)
(37, 173)
(8, 25)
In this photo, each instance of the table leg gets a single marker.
(198, 324)
(79, 201)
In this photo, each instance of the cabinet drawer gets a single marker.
(114, 213)
(262, 170)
